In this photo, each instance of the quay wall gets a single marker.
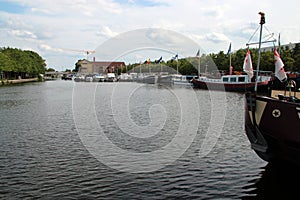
(7, 82)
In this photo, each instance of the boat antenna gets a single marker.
(262, 22)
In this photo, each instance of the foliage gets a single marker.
(50, 70)
(16, 62)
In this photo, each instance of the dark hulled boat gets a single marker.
(272, 124)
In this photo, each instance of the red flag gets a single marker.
(279, 70)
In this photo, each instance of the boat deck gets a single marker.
(275, 93)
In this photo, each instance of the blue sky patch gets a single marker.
(11, 7)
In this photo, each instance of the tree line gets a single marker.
(209, 62)
(16, 63)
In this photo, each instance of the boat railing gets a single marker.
(290, 98)
(291, 84)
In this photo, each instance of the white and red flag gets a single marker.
(247, 67)
(230, 70)
(279, 70)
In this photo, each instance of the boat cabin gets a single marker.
(236, 79)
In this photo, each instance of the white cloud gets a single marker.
(45, 47)
(106, 32)
(42, 11)
(23, 34)
(217, 37)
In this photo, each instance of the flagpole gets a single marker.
(140, 67)
(229, 52)
(229, 61)
(262, 21)
(177, 62)
(279, 49)
(199, 65)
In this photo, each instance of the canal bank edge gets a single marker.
(17, 81)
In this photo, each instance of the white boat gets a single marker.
(164, 80)
(179, 79)
(111, 77)
(238, 83)
(98, 78)
(125, 77)
(150, 79)
(88, 78)
(79, 78)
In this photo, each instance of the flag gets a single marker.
(247, 67)
(198, 53)
(279, 70)
(175, 57)
(229, 49)
(147, 61)
(230, 70)
(159, 60)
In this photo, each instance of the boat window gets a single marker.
(225, 79)
(233, 79)
(241, 79)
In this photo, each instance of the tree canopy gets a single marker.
(16, 62)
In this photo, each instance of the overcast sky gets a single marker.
(54, 28)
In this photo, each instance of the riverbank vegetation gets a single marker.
(16, 63)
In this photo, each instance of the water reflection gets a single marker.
(278, 181)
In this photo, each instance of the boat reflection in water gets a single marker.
(278, 181)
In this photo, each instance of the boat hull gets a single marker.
(235, 87)
(164, 80)
(272, 127)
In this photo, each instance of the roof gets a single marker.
(107, 64)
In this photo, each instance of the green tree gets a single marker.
(22, 63)
(50, 70)
(296, 57)
(6, 65)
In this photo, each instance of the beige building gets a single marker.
(100, 67)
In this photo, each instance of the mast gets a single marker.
(262, 21)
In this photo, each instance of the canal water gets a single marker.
(67, 140)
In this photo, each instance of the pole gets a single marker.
(229, 61)
(199, 64)
(262, 21)
(140, 68)
(177, 64)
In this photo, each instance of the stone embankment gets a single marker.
(7, 82)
